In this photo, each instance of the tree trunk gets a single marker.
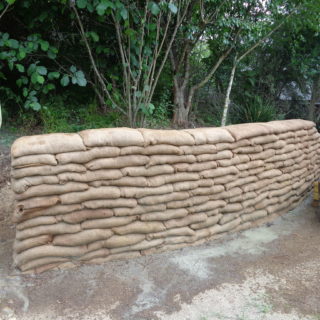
(181, 112)
(227, 99)
(315, 96)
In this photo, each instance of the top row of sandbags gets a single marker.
(123, 137)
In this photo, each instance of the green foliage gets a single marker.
(255, 111)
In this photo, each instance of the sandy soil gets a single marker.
(270, 272)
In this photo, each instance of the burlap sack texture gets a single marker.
(120, 193)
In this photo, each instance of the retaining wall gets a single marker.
(120, 193)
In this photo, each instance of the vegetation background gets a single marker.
(71, 65)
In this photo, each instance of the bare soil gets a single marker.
(271, 273)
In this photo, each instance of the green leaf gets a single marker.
(40, 79)
(173, 8)
(44, 45)
(94, 36)
(36, 106)
(65, 80)
(13, 43)
(53, 75)
(21, 54)
(51, 54)
(73, 69)
(20, 67)
(25, 92)
(42, 70)
(81, 4)
(138, 94)
(154, 8)
(109, 86)
(10, 1)
(124, 13)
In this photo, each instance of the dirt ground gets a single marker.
(267, 273)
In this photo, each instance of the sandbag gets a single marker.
(163, 149)
(135, 192)
(170, 159)
(248, 130)
(164, 215)
(206, 190)
(37, 202)
(147, 172)
(210, 135)
(103, 252)
(254, 216)
(250, 165)
(248, 149)
(218, 172)
(226, 154)
(118, 162)
(173, 137)
(207, 223)
(138, 210)
(232, 207)
(48, 261)
(187, 202)
(116, 137)
(83, 215)
(26, 244)
(183, 231)
(163, 198)
(48, 251)
(34, 160)
(46, 170)
(225, 227)
(195, 167)
(269, 174)
(107, 223)
(207, 206)
(139, 227)
(275, 145)
(227, 217)
(199, 149)
(240, 182)
(86, 156)
(47, 144)
(38, 221)
(51, 189)
(227, 194)
(110, 174)
(240, 158)
(190, 219)
(90, 194)
(82, 238)
(111, 203)
(264, 155)
(124, 181)
(21, 185)
(264, 139)
(143, 245)
(58, 228)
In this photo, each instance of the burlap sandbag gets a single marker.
(135, 192)
(254, 216)
(248, 149)
(194, 167)
(163, 198)
(225, 227)
(286, 135)
(264, 204)
(37, 202)
(275, 145)
(227, 217)
(143, 245)
(199, 149)
(86, 156)
(138, 210)
(82, 238)
(225, 179)
(256, 185)
(232, 207)
(210, 135)
(173, 137)
(278, 127)
(83, 215)
(227, 194)
(118, 162)
(140, 227)
(162, 149)
(48, 251)
(117, 137)
(52, 189)
(187, 202)
(269, 174)
(107, 223)
(250, 165)
(243, 197)
(207, 206)
(185, 185)
(23, 215)
(126, 151)
(58, 228)
(46, 170)
(248, 130)
(240, 143)
(157, 181)
(260, 140)
(218, 172)
(47, 144)
(147, 172)
(264, 155)
(38, 221)
(183, 231)
(34, 160)
(21, 185)
(179, 239)
(170, 159)
(240, 181)
(226, 154)
(188, 220)
(19, 246)
(164, 215)
(125, 181)
(202, 191)
(112, 203)
(51, 262)
(301, 133)
(241, 158)
(110, 174)
(91, 194)
(299, 173)
(212, 220)
(103, 252)
(280, 192)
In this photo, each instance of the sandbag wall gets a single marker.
(120, 193)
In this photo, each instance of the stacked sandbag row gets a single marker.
(120, 193)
